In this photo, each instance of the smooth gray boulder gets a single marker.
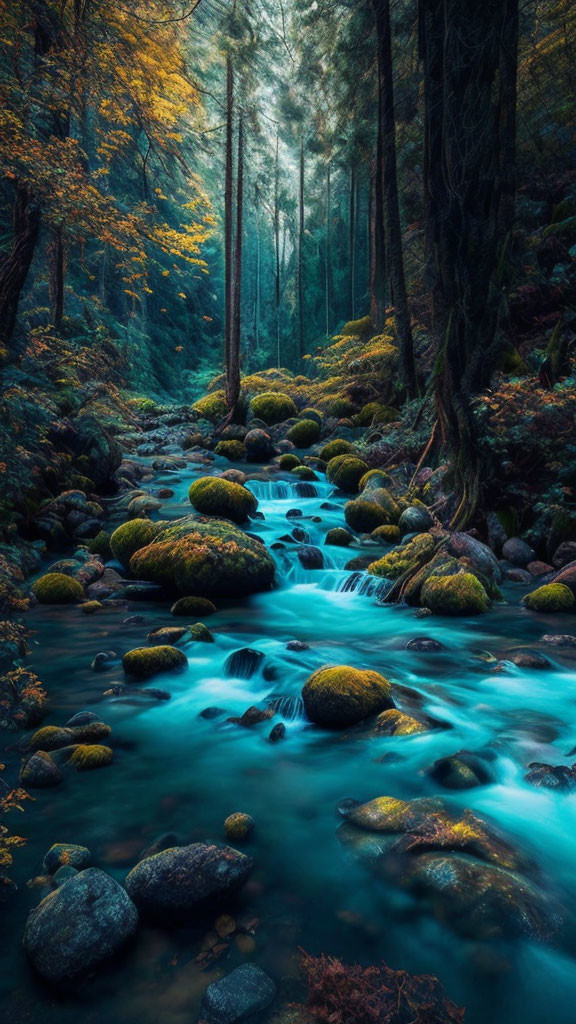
(243, 992)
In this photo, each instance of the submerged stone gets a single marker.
(245, 991)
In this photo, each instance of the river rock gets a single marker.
(424, 644)
(61, 854)
(40, 772)
(310, 557)
(245, 991)
(182, 881)
(83, 923)
(564, 554)
(559, 640)
(561, 777)
(518, 552)
(475, 555)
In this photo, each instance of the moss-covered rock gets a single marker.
(342, 408)
(193, 606)
(53, 737)
(144, 662)
(213, 496)
(345, 472)
(388, 533)
(388, 502)
(201, 633)
(90, 607)
(206, 558)
(258, 445)
(336, 447)
(238, 827)
(100, 545)
(339, 537)
(364, 516)
(396, 723)
(461, 594)
(132, 536)
(373, 479)
(212, 407)
(375, 412)
(288, 461)
(304, 473)
(167, 635)
(552, 597)
(405, 558)
(415, 519)
(304, 433)
(85, 758)
(273, 407)
(311, 414)
(56, 588)
(341, 696)
(234, 451)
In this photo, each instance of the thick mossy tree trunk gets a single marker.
(300, 264)
(390, 200)
(352, 243)
(228, 218)
(466, 48)
(16, 263)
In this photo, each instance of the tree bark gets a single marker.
(467, 113)
(277, 247)
(328, 251)
(228, 217)
(391, 207)
(300, 268)
(58, 263)
(352, 242)
(233, 372)
(16, 263)
(377, 240)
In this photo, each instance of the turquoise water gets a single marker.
(175, 771)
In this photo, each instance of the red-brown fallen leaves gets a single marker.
(350, 994)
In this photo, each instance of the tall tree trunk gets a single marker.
(328, 251)
(391, 208)
(277, 247)
(377, 240)
(467, 112)
(233, 374)
(57, 260)
(228, 218)
(352, 243)
(16, 263)
(300, 268)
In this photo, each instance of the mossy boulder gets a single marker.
(364, 516)
(212, 407)
(288, 461)
(201, 633)
(238, 827)
(56, 588)
(345, 472)
(234, 451)
(273, 407)
(304, 433)
(167, 635)
(338, 537)
(311, 414)
(86, 758)
(91, 607)
(213, 496)
(340, 696)
(132, 536)
(100, 545)
(193, 606)
(304, 473)
(53, 737)
(375, 412)
(395, 723)
(461, 594)
(388, 533)
(373, 479)
(405, 558)
(342, 408)
(144, 662)
(552, 597)
(206, 558)
(336, 447)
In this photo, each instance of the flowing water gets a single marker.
(176, 771)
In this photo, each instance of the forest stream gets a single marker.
(177, 771)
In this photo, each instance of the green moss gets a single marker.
(193, 606)
(143, 662)
(396, 723)
(212, 407)
(238, 827)
(288, 461)
(132, 536)
(90, 607)
(373, 479)
(362, 328)
(552, 597)
(100, 545)
(234, 451)
(404, 558)
(213, 496)
(272, 407)
(364, 516)
(85, 758)
(337, 447)
(304, 473)
(373, 413)
(342, 408)
(341, 696)
(311, 414)
(461, 594)
(387, 533)
(304, 433)
(345, 472)
(388, 503)
(56, 588)
(339, 537)
(53, 737)
(201, 633)
(206, 558)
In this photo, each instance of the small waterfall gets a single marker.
(364, 584)
(243, 664)
(272, 490)
(288, 707)
(306, 490)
